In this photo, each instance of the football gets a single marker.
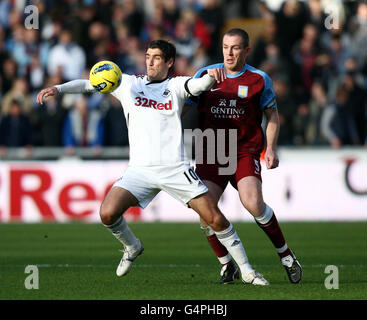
(105, 76)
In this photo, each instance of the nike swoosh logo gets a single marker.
(215, 89)
(109, 81)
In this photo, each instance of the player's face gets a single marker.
(234, 53)
(157, 68)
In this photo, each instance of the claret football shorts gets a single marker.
(247, 165)
(180, 181)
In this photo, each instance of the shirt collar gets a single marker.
(245, 67)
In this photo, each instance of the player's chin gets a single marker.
(230, 63)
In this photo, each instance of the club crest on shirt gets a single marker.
(242, 91)
(166, 93)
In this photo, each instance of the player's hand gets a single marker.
(271, 159)
(43, 94)
(218, 73)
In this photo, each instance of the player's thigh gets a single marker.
(210, 172)
(116, 202)
(141, 183)
(215, 190)
(250, 193)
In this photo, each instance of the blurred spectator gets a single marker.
(317, 16)
(286, 110)
(15, 129)
(103, 9)
(357, 98)
(132, 60)
(115, 133)
(200, 29)
(8, 74)
(83, 127)
(186, 43)
(5, 8)
(67, 58)
(212, 14)
(304, 55)
(258, 54)
(20, 92)
(339, 54)
(156, 24)
(132, 17)
(300, 121)
(275, 65)
(48, 121)
(36, 73)
(337, 123)
(201, 59)
(171, 11)
(357, 35)
(182, 67)
(101, 46)
(80, 21)
(25, 47)
(290, 19)
(317, 106)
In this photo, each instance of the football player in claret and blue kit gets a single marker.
(239, 102)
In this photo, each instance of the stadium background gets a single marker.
(58, 160)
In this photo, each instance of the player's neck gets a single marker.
(156, 80)
(235, 70)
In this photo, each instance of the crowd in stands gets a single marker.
(318, 65)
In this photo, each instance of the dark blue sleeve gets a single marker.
(267, 98)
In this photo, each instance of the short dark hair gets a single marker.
(167, 48)
(239, 32)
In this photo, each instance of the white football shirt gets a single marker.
(153, 115)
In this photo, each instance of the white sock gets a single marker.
(208, 231)
(122, 233)
(232, 242)
(265, 217)
(225, 259)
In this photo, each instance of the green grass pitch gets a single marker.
(78, 261)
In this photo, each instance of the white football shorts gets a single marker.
(180, 181)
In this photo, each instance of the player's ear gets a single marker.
(170, 63)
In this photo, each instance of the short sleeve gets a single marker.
(267, 98)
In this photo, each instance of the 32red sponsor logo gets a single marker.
(150, 103)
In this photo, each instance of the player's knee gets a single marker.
(218, 221)
(254, 204)
(107, 215)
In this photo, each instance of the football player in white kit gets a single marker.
(152, 105)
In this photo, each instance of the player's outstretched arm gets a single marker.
(197, 85)
(74, 86)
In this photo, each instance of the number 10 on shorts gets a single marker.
(191, 175)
